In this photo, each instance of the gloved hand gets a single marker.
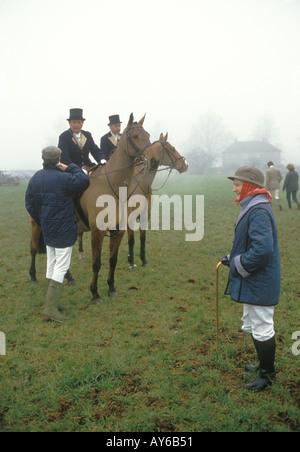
(225, 261)
(103, 162)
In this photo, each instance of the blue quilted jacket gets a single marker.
(50, 203)
(255, 274)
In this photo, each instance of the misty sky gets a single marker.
(171, 59)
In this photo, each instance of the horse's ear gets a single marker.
(141, 121)
(161, 137)
(130, 122)
(166, 137)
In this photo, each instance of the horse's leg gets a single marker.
(35, 236)
(131, 242)
(143, 248)
(97, 237)
(80, 247)
(32, 270)
(114, 244)
(143, 235)
(70, 279)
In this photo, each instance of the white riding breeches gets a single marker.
(58, 263)
(259, 321)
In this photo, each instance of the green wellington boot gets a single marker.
(60, 306)
(52, 303)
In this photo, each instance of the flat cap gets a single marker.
(249, 174)
(51, 153)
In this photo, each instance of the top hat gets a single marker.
(114, 119)
(249, 174)
(76, 113)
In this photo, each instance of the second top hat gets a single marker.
(114, 119)
(76, 113)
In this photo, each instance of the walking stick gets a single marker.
(217, 304)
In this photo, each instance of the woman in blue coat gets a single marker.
(255, 275)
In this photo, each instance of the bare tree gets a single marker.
(265, 129)
(209, 138)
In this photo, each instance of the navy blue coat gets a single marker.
(291, 182)
(71, 152)
(255, 274)
(107, 146)
(50, 203)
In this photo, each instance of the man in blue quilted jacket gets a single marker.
(49, 201)
(255, 274)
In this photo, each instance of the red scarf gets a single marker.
(249, 189)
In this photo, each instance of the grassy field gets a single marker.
(146, 361)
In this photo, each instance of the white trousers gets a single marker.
(259, 321)
(275, 193)
(58, 263)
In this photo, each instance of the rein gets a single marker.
(135, 162)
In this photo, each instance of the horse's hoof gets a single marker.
(113, 294)
(34, 281)
(73, 283)
(97, 301)
(133, 267)
(145, 264)
(81, 257)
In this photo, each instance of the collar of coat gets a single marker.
(250, 202)
(76, 141)
(113, 140)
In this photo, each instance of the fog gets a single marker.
(171, 59)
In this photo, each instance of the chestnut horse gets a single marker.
(134, 149)
(168, 156)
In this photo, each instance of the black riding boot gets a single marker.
(251, 367)
(267, 376)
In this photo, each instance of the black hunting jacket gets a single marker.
(75, 152)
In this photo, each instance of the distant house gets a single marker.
(250, 153)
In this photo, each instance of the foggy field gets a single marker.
(145, 361)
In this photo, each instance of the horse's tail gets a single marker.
(41, 245)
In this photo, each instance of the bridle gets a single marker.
(174, 160)
(140, 152)
(142, 160)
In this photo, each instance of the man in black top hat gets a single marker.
(109, 141)
(76, 144)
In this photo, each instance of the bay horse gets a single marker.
(134, 149)
(169, 157)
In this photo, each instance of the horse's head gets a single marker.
(170, 157)
(139, 146)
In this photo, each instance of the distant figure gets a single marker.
(273, 179)
(109, 141)
(76, 144)
(291, 185)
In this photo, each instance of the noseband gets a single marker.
(174, 160)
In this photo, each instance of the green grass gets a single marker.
(146, 361)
